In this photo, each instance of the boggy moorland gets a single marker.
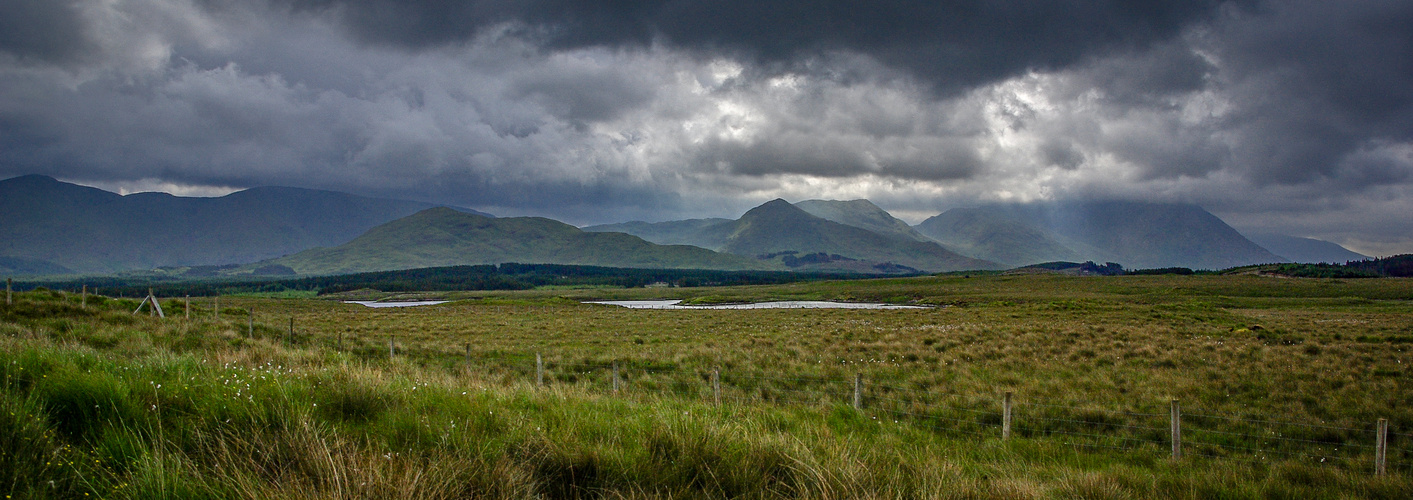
(1280, 383)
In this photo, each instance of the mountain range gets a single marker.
(1304, 250)
(1133, 234)
(780, 232)
(89, 230)
(445, 237)
(52, 227)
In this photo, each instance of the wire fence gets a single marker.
(1373, 446)
(1198, 432)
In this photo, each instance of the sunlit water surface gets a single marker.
(784, 304)
(409, 303)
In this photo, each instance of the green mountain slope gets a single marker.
(861, 214)
(445, 237)
(986, 234)
(1134, 234)
(94, 231)
(777, 226)
(20, 266)
(1306, 250)
(705, 233)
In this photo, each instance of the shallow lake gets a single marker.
(409, 303)
(784, 304)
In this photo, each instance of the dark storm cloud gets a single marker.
(584, 93)
(1316, 82)
(42, 30)
(841, 156)
(953, 44)
(655, 109)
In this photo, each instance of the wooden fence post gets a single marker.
(539, 368)
(858, 391)
(83, 299)
(340, 347)
(1175, 416)
(716, 385)
(186, 304)
(152, 311)
(392, 350)
(216, 308)
(615, 377)
(8, 286)
(291, 330)
(1381, 448)
(1006, 416)
(250, 328)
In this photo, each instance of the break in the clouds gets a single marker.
(1292, 116)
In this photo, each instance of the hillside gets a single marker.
(777, 226)
(89, 230)
(19, 266)
(862, 214)
(982, 233)
(445, 237)
(1135, 234)
(705, 233)
(787, 234)
(1304, 250)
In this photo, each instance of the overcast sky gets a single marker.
(1292, 116)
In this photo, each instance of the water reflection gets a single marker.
(783, 304)
(410, 303)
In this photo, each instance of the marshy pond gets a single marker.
(409, 303)
(782, 304)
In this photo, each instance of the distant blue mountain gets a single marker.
(1305, 250)
(780, 232)
(1136, 235)
(74, 228)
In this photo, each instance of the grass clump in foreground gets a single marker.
(94, 400)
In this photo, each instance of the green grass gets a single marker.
(96, 400)
(283, 294)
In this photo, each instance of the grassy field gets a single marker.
(1280, 381)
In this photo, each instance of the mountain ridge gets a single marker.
(444, 237)
(780, 230)
(1305, 250)
(89, 230)
(1134, 234)
(862, 214)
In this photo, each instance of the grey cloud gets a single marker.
(1292, 93)
(1315, 82)
(656, 109)
(1061, 154)
(833, 156)
(48, 31)
(584, 92)
(455, 126)
(951, 44)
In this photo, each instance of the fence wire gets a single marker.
(1080, 424)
